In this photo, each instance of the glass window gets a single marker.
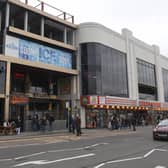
(107, 70)
(146, 80)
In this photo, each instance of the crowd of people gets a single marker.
(14, 125)
(46, 121)
(117, 122)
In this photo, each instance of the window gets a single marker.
(146, 80)
(104, 70)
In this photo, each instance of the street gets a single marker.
(122, 149)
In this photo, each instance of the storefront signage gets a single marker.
(19, 75)
(102, 100)
(31, 51)
(93, 100)
(89, 100)
(149, 104)
(106, 100)
(121, 102)
(84, 100)
(19, 100)
(164, 105)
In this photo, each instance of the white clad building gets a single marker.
(119, 74)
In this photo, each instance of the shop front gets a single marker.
(38, 93)
(156, 110)
(100, 110)
(29, 108)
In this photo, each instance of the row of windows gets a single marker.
(104, 70)
(51, 29)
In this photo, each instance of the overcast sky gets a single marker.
(147, 19)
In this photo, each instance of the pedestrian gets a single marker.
(112, 123)
(18, 123)
(73, 124)
(43, 123)
(50, 121)
(134, 123)
(78, 125)
(35, 123)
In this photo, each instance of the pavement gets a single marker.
(65, 134)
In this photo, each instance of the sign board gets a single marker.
(102, 100)
(149, 104)
(35, 52)
(119, 101)
(19, 100)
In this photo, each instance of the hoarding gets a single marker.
(35, 52)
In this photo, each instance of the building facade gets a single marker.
(38, 70)
(120, 76)
(51, 66)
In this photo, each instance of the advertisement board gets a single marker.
(35, 52)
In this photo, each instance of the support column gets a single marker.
(73, 38)
(74, 90)
(159, 77)
(7, 15)
(7, 100)
(65, 35)
(131, 66)
(26, 21)
(42, 26)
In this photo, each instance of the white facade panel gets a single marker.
(164, 62)
(92, 32)
(144, 54)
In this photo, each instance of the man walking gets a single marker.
(78, 125)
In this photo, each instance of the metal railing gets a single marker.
(38, 4)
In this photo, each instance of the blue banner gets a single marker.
(38, 53)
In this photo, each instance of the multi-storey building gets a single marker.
(42, 73)
(38, 71)
(119, 75)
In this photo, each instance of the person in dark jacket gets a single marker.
(134, 123)
(43, 123)
(50, 120)
(78, 125)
